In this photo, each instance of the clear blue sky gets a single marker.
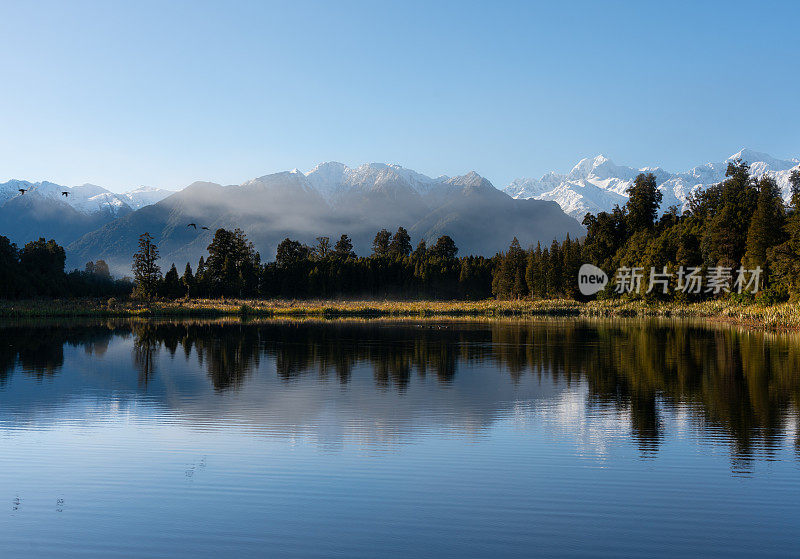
(165, 93)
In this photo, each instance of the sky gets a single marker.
(166, 93)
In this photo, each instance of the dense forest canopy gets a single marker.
(741, 223)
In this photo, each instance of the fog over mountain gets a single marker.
(44, 210)
(332, 199)
(597, 184)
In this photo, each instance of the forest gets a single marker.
(739, 223)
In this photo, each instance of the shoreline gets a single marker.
(785, 316)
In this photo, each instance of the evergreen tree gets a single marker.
(146, 272)
(290, 253)
(10, 272)
(232, 267)
(400, 246)
(201, 289)
(784, 259)
(644, 198)
(766, 225)
(723, 215)
(444, 249)
(323, 248)
(571, 263)
(380, 245)
(509, 276)
(343, 248)
(793, 224)
(188, 281)
(605, 234)
(421, 252)
(171, 286)
(555, 280)
(101, 269)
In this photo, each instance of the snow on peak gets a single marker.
(86, 198)
(760, 163)
(596, 184)
(145, 196)
(587, 165)
(333, 179)
(471, 179)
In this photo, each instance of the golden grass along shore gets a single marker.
(783, 316)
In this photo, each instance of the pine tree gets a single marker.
(784, 259)
(343, 249)
(444, 249)
(793, 223)
(146, 272)
(534, 272)
(380, 245)
(323, 248)
(400, 247)
(644, 198)
(554, 271)
(171, 285)
(766, 225)
(188, 281)
(723, 214)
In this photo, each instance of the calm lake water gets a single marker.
(401, 439)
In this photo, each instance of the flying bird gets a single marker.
(204, 227)
(192, 225)
(65, 194)
(22, 191)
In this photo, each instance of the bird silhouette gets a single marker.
(22, 191)
(192, 225)
(204, 227)
(65, 194)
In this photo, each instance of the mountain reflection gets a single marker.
(742, 384)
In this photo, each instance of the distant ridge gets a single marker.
(330, 200)
(597, 184)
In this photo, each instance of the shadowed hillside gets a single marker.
(480, 218)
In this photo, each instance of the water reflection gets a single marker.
(734, 385)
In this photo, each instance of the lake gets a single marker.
(570, 438)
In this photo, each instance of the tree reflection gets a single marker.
(742, 383)
(38, 351)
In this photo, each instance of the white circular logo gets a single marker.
(591, 279)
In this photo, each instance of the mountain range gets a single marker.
(597, 184)
(332, 199)
(44, 210)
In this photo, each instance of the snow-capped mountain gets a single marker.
(144, 196)
(597, 184)
(331, 200)
(332, 179)
(87, 199)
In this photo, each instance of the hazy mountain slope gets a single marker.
(26, 218)
(267, 209)
(479, 217)
(117, 241)
(483, 220)
(44, 210)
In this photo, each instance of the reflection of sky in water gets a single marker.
(506, 456)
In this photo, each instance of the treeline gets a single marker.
(741, 224)
(737, 226)
(394, 269)
(645, 371)
(37, 270)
